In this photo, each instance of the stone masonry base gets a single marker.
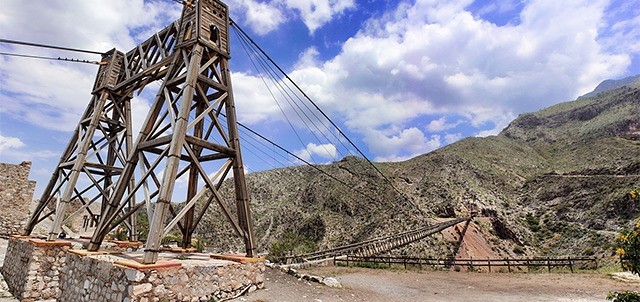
(33, 268)
(38, 270)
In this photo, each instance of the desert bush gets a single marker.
(626, 296)
(629, 243)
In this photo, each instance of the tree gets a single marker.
(629, 242)
(629, 249)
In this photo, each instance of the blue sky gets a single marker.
(401, 78)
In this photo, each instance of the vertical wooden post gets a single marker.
(83, 147)
(156, 226)
(242, 194)
(570, 264)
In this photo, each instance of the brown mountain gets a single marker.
(554, 182)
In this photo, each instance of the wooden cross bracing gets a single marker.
(191, 129)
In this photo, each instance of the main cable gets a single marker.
(50, 46)
(304, 161)
(50, 58)
(233, 23)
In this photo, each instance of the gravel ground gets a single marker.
(388, 286)
(384, 286)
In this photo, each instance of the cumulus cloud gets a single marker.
(401, 145)
(54, 94)
(264, 17)
(316, 13)
(255, 103)
(428, 65)
(7, 142)
(436, 59)
(327, 152)
(441, 124)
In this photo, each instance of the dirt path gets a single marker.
(389, 286)
(384, 286)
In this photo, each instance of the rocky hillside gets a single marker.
(553, 182)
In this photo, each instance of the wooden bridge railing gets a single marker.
(378, 245)
(547, 262)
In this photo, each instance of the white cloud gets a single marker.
(325, 151)
(434, 57)
(54, 94)
(452, 138)
(7, 142)
(309, 58)
(441, 124)
(262, 17)
(316, 13)
(13, 148)
(253, 99)
(401, 145)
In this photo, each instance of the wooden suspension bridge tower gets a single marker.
(189, 132)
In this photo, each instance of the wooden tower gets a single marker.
(189, 132)
(183, 131)
(95, 155)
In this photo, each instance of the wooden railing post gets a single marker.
(570, 264)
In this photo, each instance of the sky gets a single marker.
(400, 78)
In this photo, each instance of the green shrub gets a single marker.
(629, 243)
(626, 296)
(533, 222)
(199, 245)
(518, 249)
(291, 244)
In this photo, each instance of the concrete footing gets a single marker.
(39, 270)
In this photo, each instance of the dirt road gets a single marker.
(385, 286)
(388, 286)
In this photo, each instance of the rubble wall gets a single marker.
(33, 269)
(98, 278)
(16, 195)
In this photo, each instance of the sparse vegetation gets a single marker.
(629, 243)
(626, 296)
(291, 244)
(552, 181)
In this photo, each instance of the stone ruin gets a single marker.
(39, 270)
(16, 196)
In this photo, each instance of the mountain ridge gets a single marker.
(553, 182)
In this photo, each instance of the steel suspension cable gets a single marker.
(234, 24)
(291, 100)
(306, 162)
(49, 58)
(277, 103)
(50, 46)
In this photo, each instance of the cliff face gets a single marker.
(553, 182)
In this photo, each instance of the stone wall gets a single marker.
(33, 268)
(39, 270)
(99, 278)
(16, 195)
